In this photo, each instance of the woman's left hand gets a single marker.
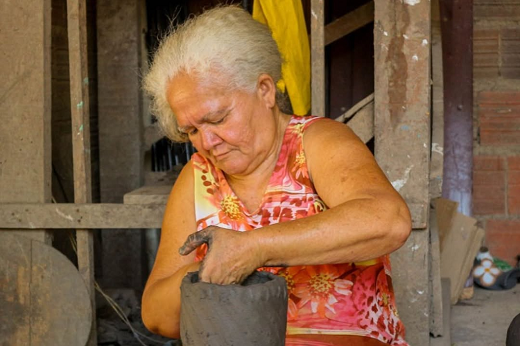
(231, 256)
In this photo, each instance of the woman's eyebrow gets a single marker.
(206, 118)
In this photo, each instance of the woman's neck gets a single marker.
(251, 188)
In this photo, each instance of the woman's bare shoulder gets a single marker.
(341, 165)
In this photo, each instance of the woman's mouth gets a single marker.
(220, 155)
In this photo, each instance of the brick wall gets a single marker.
(496, 175)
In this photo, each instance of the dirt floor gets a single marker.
(483, 320)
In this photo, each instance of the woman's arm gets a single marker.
(161, 297)
(366, 218)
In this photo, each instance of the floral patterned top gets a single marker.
(341, 299)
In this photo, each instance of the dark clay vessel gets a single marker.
(251, 314)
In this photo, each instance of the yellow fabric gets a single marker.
(286, 21)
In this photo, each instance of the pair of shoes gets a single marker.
(494, 274)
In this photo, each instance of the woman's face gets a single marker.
(235, 130)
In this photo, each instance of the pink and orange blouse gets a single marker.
(340, 299)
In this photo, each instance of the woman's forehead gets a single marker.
(194, 85)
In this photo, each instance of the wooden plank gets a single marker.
(25, 105)
(357, 107)
(436, 299)
(318, 58)
(437, 152)
(41, 292)
(419, 214)
(349, 23)
(84, 216)
(79, 101)
(139, 214)
(157, 194)
(460, 247)
(445, 339)
(445, 211)
(363, 123)
(402, 141)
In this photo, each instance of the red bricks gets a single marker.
(503, 239)
(496, 9)
(496, 75)
(486, 54)
(513, 182)
(499, 118)
(513, 163)
(510, 53)
(488, 163)
(489, 185)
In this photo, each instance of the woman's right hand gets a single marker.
(232, 256)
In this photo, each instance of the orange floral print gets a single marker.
(340, 299)
(319, 286)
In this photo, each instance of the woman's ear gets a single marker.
(267, 90)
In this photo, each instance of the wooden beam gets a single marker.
(402, 141)
(437, 152)
(437, 308)
(109, 216)
(357, 107)
(85, 216)
(363, 123)
(318, 57)
(349, 23)
(79, 100)
(155, 194)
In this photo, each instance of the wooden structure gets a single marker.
(398, 120)
(401, 120)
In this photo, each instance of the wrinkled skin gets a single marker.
(220, 265)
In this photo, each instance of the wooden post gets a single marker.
(402, 141)
(318, 57)
(120, 61)
(25, 106)
(79, 100)
(437, 313)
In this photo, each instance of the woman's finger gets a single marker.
(195, 240)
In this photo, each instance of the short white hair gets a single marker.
(226, 40)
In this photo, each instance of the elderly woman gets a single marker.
(299, 196)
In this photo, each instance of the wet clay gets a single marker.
(251, 314)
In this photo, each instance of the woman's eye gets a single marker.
(192, 132)
(220, 121)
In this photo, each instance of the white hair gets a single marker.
(226, 40)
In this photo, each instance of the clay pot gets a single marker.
(251, 314)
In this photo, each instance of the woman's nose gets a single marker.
(209, 139)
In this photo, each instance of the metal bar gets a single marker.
(457, 59)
